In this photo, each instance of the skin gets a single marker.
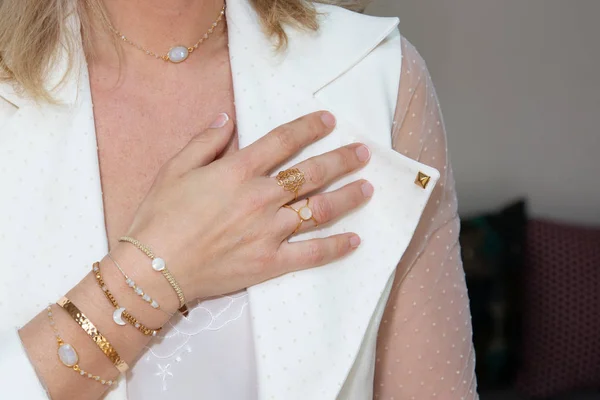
(155, 173)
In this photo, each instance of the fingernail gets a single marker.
(363, 153)
(328, 119)
(220, 122)
(354, 241)
(367, 189)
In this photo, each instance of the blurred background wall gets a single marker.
(519, 87)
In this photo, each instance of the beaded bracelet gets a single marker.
(137, 289)
(120, 315)
(158, 264)
(69, 357)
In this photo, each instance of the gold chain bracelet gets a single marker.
(69, 357)
(121, 313)
(158, 264)
(89, 328)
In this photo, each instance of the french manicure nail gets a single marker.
(328, 119)
(367, 189)
(354, 241)
(363, 153)
(220, 122)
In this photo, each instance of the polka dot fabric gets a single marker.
(562, 303)
(424, 349)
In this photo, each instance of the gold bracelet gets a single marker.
(158, 264)
(69, 357)
(93, 332)
(121, 313)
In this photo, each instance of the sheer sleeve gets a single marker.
(424, 348)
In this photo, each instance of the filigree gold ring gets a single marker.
(291, 180)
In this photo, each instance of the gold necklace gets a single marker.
(176, 54)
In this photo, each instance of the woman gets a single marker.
(288, 259)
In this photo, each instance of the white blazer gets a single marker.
(51, 212)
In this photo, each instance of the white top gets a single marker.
(210, 352)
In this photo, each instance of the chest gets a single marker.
(143, 121)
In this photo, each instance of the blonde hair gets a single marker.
(30, 31)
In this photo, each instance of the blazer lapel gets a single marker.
(309, 326)
(51, 182)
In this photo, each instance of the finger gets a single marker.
(326, 168)
(204, 147)
(285, 141)
(323, 208)
(315, 252)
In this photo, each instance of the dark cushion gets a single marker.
(492, 251)
(561, 337)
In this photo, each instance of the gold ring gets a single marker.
(304, 213)
(291, 180)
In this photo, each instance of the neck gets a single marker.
(159, 25)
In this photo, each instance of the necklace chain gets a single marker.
(166, 57)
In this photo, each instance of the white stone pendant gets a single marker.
(68, 355)
(158, 264)
(178, 54)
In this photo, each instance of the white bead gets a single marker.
(178, 54)
(118, 316)
(139, 291)
(68, 355)
(154, 304)
(137, 325)
(158, 264)
(146, 298)
(305, 213)
(130, 283)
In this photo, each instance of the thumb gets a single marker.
(204, 147)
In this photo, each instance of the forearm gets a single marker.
(41, 345)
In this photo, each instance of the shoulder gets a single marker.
(417, 98)
(414, 68)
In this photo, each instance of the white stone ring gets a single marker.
(304, 213)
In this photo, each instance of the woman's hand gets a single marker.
(220, 225)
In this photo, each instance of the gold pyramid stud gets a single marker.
(422, 180)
